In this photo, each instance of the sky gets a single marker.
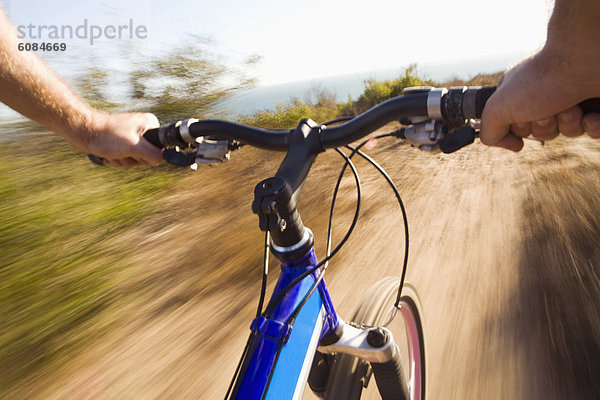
(300, 40)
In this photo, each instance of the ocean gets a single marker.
(267, 97)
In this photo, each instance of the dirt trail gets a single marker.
(504, 254)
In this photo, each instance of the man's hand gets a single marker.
(118, 139)
(539, 98)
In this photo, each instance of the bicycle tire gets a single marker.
(349, 375)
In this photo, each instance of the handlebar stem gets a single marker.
(275, 199)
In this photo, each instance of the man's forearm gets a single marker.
(575, 25)
(42, 96)
(572, 50)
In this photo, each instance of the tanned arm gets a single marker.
(30, 87)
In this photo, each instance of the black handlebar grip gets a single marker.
(151, 135)
(590, 106)
(483, 94)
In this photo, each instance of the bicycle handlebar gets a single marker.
(279, 140)
(483, 94)
(455, 107)
(171, 135)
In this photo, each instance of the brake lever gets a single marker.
(458, 139)
(179, 158)
(206, 151)
(433, 136)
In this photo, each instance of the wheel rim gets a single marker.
(407, 310)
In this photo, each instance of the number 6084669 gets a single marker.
(42, 46)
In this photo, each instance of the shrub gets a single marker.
(319, 106)
(379, 91)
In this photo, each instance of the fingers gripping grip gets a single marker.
(484, 93)
(482, 96)
(590, 106)
(151, 135)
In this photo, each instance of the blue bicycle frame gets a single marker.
(280, 355)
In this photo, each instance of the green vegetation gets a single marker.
(57, 261)
(378, 91)
(187, 82)
(285, 116)
(91, 85)
(322, 106)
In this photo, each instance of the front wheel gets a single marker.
(349, 376)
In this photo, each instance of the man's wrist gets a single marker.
(82, 127)
(572, 46)
(573, 27)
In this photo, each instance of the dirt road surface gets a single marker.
(504, 252)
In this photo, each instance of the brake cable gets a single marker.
(292, 284)
(328, 257)
(404, 215)
(265, 274)
(325, 262)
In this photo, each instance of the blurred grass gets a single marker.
(57, 264)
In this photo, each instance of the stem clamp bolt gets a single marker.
(377, 337)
